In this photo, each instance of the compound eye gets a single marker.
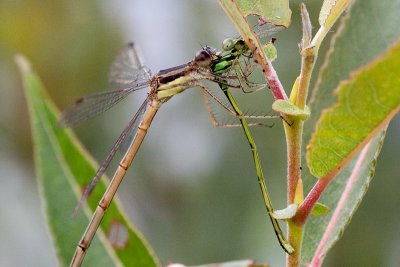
(228, 44)
(203, 58)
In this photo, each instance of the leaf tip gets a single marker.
(22, 63)
(286, 213)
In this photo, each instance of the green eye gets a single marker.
(228, 44)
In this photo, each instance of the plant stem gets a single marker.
(293, 139)
(307, 63)
(309, 53)
(294, 134)
(305, 208)
(294, 142)
(270, 74)
(295, 234)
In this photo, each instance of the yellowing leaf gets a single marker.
(273, 11)
(238, 17)
(367, 102)
(286, 107)
(331, 11)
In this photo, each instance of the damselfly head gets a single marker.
(205, 56)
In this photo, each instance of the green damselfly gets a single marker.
(236, 48)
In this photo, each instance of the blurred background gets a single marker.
(193, 192)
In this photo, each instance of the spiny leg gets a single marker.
(241, 75)
(214, 119)
(207, 95)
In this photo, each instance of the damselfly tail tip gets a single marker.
(76, 210)
(62, 122)
(82, 200)
(78, 206)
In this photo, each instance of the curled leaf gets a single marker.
(287, 108)
(286, 213)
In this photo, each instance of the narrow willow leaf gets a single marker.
(274, 11)
(331, 11)
(364, 33)
(239, 19)
(355, 188)
(63, 168)
(366, 104)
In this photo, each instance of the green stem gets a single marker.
(309, 55)
(306, 207)
(294, 143)
(295, 233)
(294, 134)
(307, 63)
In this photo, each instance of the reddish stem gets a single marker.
(312, 198)
(305, 208)
(269, 72)
(273, 81)
(294, 144)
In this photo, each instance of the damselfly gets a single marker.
(231, 62)
(128, 75)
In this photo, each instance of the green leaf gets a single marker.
(273, 11)
(364, 33)
(286, 107)
(367, 103)
(319, 209)
(239, 10)
(252, 41)
(239, 19)
(270, 51)
(63, 169)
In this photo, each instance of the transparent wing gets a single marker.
(131, 127)
(92, 105)
(242, 70)
(266, 29)
(127, 74)
(127, 68)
